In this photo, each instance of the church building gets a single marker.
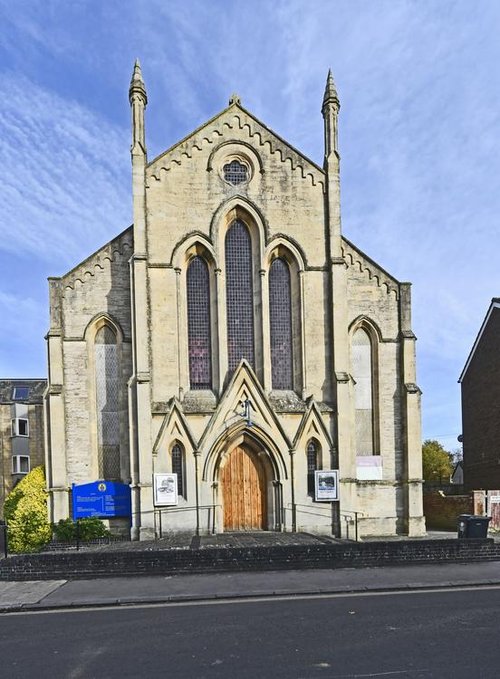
(233, 351)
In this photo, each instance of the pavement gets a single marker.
(123, 591)
(42, 595)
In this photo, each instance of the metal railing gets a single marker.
(158, 516)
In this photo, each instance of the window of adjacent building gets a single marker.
(199, 336)
(239, 295)
(20, 464)
(280, 312)
(178, 467)
(20, 427)
(312, 464)
(20, 393)
(235, 172)
(107, 403)
(362, 372)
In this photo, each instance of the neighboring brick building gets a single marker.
(234, 337)
(21, 431)
(480, 384)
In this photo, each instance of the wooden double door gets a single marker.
(243, 484)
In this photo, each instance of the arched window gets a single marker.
(199, 338)
(107, 403)
(178, 467)
(239, 295)
(280, 313)
(312, 464)
(362, 372)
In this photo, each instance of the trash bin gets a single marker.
(477, 526)
(470, 526)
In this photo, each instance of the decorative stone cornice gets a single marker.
(119, 247)
(356, 258)
(234, 118)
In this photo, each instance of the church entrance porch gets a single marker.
(244, 491)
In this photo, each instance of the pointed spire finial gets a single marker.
(137, 83)
(330, 96)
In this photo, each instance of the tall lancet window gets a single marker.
(362, 372)
(107, 403)
(199, 339)
(239, 295)
(280, 312)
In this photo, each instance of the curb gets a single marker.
(235, 596)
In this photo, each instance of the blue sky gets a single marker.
(419, 85)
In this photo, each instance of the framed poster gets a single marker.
(165, 489)
(326, 485)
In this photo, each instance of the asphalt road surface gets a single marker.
(422, 634)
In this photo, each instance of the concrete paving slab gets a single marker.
(26, 593)
(154, 589)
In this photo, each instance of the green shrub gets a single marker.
(89, 528)
(25, 511)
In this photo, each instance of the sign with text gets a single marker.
(102, 499)
(165, 489)
(326, 485)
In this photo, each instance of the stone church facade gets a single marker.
(234, 337)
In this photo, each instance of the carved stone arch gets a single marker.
(239, 207)
(192, 245)
(366, 403)
(369, 325)
(288, 369)
(281, 246)
(256, 438)
(232, 148)
(99, 321)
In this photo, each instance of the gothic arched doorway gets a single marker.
(244, 491)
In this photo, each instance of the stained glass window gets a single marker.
(199, 338)
(178, 467)
(312, 465)
(280, 311)
(239, 295)
(235, 172)
(362, 373)
(107, 404)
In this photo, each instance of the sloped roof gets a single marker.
(495, 304)
(35, 387)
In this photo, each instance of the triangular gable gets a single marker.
(495, 304)
(214, 129)
(174, 426)
(312, 424)
(242, 386)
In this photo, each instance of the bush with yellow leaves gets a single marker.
(25, 512)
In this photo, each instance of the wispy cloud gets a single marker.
(419, 133)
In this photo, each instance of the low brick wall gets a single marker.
(91, 564)
(442, 511)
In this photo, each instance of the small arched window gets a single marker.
(362, 372)
(178, 467)
(312, 465)
(239, 295)
(107, 403)
(280, 319)
(199, 335)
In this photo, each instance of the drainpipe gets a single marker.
(197, 477)
(292, 481)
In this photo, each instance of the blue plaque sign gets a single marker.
(103, 499)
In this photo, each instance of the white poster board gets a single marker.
(165, 489)
(326, 485)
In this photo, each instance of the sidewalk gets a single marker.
(62, 594)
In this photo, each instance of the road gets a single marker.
(421, 634)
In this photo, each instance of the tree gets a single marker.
(25, 512)
(437, 463)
